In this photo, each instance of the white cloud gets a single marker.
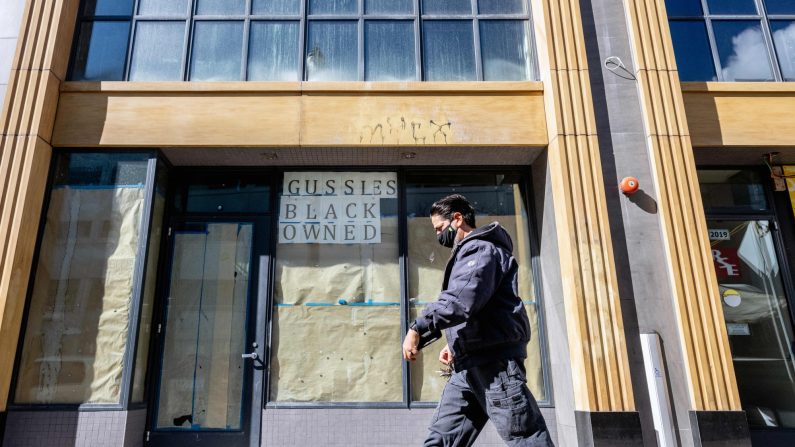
(749, 62)
(785, 49)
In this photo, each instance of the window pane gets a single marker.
(389, 6)
(228, 196)
(442, 7)
(389, 51)
(692, 50)
(217, 51)
(273, 52)
(723, 189)
(221, 7)
(758, 322)
(201, 379)
(683, 8)
(276, 7)
(742, 50)
(780, 6)
(731, 6)
(101, 51)
(337, 278)
(76, 333)
(784, 38)
(107, 7)
(331, 51)
(502, 6)
(448, 51)
(163, 7)
(333, 7)
(506, 51)
(496, 197)
(157, 51)
(149, 287)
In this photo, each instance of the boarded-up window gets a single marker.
(336, 321)
(77, 328)
(495, 197)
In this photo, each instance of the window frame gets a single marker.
(417, 16)
(138, 275)
(762, 17)
(525, 185)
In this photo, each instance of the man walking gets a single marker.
(487, 333)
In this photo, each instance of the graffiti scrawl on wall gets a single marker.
(402, 130)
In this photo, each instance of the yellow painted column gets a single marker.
(709, 370)
(597, 347)
(27, 120)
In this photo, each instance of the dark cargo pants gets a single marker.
(496, 391)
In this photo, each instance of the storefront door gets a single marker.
(209, 381)
(758, 319)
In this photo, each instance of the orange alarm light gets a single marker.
(629, 185)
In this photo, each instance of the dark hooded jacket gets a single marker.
(479, 307)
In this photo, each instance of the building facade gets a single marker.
(214, 215)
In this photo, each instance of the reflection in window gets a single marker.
(157, 53)
(107, 7)
(731, 6)
(388, 6)
(333, 7)
(221, 7)
(784, 39)
(683, 8)
(76, 332)
(727, 189)
(742, 51)
(273, 51)
(446, 7)
(276, 7)
(448, 50)
(758, 320)
(334, 337)
(495, 198)
(780, 6)
(502, 6)
(163, 7)
(505, 58)
(316, 40)
(217, 50)
(331, 51)
(100, 51)
(693, 55)
(389, 51)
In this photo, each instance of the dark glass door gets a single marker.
(758, 318)
(210, 362)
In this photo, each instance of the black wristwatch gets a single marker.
(413, 327)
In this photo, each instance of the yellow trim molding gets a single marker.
(597, 347)
(25, 149)
(708, 364)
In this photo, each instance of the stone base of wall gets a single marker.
(362, 427)
(75, 428)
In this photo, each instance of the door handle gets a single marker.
(252, 356)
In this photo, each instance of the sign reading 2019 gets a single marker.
(334, 207)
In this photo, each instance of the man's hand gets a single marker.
(446, 356)
(410, 344)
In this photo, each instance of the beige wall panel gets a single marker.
(165, 118)
(168, 119)
(740, 118)
(463, 119)
(20, 203)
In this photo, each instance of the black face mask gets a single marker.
(447, 236)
